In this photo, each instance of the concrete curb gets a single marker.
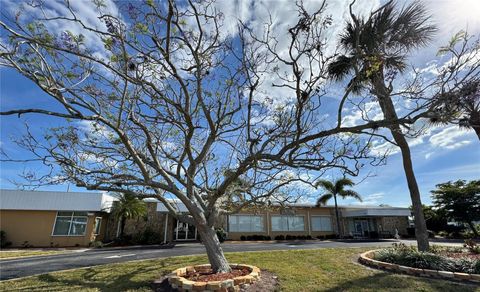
(367, 258)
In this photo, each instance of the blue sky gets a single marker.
(444, 154)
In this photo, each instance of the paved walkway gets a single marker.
(16, 268)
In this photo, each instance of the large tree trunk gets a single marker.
(214, 251)
(389, 113)
(338, 217)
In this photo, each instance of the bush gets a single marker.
(472, 246)
(268, 237)
(96, 244)
(243, 238)
(3, 240)
(290, 237)
(409, 256)
(150, 237)
(321, 237)
(279, 237)
(221, 234)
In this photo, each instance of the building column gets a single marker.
(165, 231)
(309, 221)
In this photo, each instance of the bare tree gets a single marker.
(158, 101)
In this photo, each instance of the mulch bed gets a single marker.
(209, 275)
(268, 282)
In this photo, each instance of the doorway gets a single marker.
(361, 228)
(184, 231)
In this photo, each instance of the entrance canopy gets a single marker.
(376, 212)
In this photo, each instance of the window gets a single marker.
(245, 223)
(287, 223)
(98, 224)
(321, 223)
(70, 224)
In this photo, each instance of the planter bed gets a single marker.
(201, 278)
(368, 258)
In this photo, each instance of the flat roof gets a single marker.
(55, 201)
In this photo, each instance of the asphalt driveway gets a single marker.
(22, 267)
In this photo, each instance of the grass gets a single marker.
(4, 255)
(300, 270)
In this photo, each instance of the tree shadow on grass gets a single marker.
(97, 278)
(387, 281)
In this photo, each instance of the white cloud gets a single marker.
(450, 138)
(369, 200)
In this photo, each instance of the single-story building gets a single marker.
(33, 218)
(53, 219)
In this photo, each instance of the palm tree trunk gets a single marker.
(337, 216)
(122, 226)
(470, 223)
(215, 253)
(389, 113)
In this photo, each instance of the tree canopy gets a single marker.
(460, 200)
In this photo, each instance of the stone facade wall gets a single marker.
(153, 221)
(392, 223)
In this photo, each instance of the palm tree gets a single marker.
(376, 46)
(128, 207)
(333, 190)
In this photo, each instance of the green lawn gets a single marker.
(302, 270)
(27, 253)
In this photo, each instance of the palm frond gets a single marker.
(322, 201)
(340, 184)
(325, 184)
(340, 67)
(350, 194)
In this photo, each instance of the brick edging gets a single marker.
(366, 258)
(177, 280)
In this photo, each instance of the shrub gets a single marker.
(221, 234)
(268, 237)
(249, 237)
(409, 256)
(309, 237)
(321, 237)
(243, 238)
(279, 237)
(290, 237)
(26, 244)
(472, 246)
(3, 240)
(96, 244)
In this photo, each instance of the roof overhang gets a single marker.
(55, 201)
(383, 212)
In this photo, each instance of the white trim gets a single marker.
(186, 233)
(95, 225)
